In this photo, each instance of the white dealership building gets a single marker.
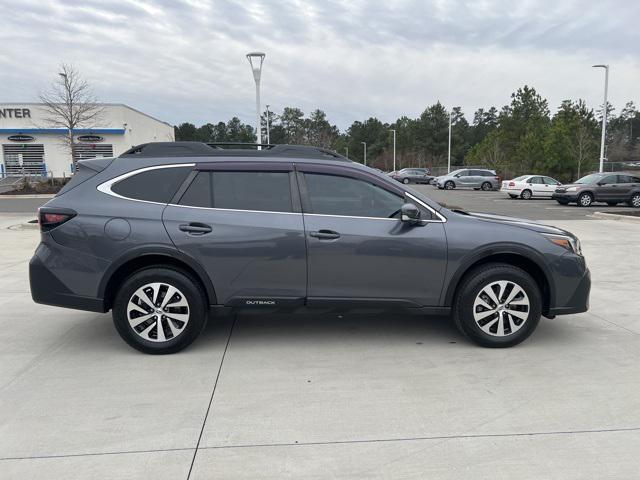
(30, 146)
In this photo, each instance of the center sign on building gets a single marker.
(31, 147)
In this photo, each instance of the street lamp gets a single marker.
(365, 151)
(255, 60)
(394, 147)
(449, 153)
(268, 137)
(346, 149)
(604, 114)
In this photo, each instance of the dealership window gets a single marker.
(82, 151)
(336, 195)
(157, 185)
(261, 191)
(23, 159)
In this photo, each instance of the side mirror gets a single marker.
(409, 213)
(457, 175)
(600, 184)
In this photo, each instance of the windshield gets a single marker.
(594, 177)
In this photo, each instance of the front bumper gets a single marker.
(566, 196)
(579, 301)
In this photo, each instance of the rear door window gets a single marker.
(157, 185)
(246, 190)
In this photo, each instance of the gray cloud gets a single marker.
(184, 60)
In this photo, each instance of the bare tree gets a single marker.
(70, 104)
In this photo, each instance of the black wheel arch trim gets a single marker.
(163, 251)
(499, 249)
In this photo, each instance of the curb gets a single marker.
(35, 195)
(615, 216)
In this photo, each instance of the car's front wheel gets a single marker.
(159, 310)
(634, 201)
(406, 181)
(585, 200)
(497, 305)
(449, 185)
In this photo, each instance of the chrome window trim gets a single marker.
(442, 218)
(232, 209)
(106, 186)
(350, 216)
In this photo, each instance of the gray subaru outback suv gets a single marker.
(169, 232)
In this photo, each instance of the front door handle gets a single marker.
(195, 228)
(325, 234)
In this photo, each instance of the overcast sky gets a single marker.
(185, 60)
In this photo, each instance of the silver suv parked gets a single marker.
(469, 178)
(168, 232)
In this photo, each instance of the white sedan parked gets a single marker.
(530, 186)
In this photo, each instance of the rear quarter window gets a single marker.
(157, 185)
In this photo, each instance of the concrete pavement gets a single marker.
(272, 397)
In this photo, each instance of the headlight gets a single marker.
(571, 244)
(572, 189)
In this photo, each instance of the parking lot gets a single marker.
(328, 396)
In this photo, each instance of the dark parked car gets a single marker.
(612, 188)
(169, 231)
(413, 175)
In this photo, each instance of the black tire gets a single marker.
(513, 196)
(406, 181)
(526, 194)
(634, 201)
(196, 308)
(585, 200)
(612, 204)
(471, 286)
(563, 202)
(449, 185)
(486, 186)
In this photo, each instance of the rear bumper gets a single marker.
(47, 289)
(579, 301)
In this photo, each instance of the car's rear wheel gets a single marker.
(159, 310)
(497, 305)
(634, 201)
(486, 186)
(585, 200)
(526, 194)
(449, 185)
(406, 181)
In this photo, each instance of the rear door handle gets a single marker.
(195, 228)
(325, 234)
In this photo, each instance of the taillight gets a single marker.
(512, 184)
(51, 218)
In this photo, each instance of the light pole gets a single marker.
(268, 137)
(365, 151)
(255, 60)
(604, 114)
(394, 147)
(449, 153)
(346, 149)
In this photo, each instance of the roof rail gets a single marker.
(199, 149)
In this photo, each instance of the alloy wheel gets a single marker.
(526, 195)
(585, 200)
(635, 200)
(501, 308)
(486, 186)
(449, 185)
(158, 312)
